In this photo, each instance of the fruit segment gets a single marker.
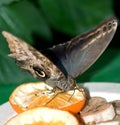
(31, 95)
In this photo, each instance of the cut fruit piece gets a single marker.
(102, 113)
(31, 95)
(43, 116)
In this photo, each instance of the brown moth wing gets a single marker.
(74, 56)
(78, 54)
(35, 62)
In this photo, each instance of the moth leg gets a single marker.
(79, 89)
(84, 92)
(59, 92)
(71, 96)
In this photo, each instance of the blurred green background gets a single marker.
(44, 23)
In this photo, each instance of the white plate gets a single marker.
(110, 91)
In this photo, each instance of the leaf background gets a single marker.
(43, 23)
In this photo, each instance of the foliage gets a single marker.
(42, 23)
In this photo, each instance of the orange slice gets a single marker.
(31, 95)
(43, 116)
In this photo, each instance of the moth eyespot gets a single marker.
(109, 26)
(104, 29)
(114, 23)
(39, 72)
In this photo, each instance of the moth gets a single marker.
(59, 65)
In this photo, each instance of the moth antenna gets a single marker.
(79, 89)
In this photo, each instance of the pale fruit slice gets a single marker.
(31, 95)
(43, 116)
(99, 114)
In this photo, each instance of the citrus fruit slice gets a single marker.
(43, 116)
(31, 95)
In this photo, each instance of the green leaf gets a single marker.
(3, 2)
(13, 24)
(75, 16)
(5, 91)
(32, 18)
(111, 71)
